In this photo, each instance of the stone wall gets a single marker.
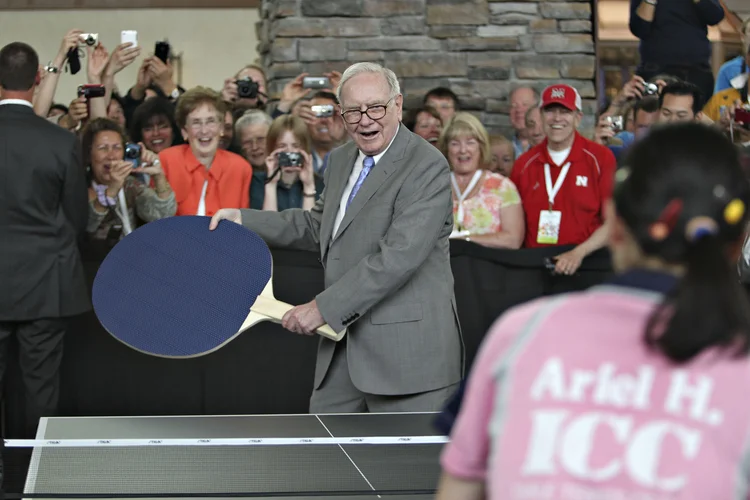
(481, 49)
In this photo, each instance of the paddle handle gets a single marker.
(275, 310)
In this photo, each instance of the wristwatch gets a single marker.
(51, 69)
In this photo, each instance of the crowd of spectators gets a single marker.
(240, 147)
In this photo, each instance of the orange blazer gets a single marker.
(228, 180)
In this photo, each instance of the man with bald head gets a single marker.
(521, 100)
(381, 227)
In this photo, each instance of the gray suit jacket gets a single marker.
(388, 277)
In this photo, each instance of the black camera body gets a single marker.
(162, 50)
(286, 159)
(91, 90)
(247, 89)
(133, 154)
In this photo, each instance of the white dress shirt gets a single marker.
(358, 163)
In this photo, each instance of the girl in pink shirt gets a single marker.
(637, 389)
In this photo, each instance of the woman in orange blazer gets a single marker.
(203, 177)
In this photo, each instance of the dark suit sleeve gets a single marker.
(710, 11)
(639, 27)
(418, 224)
(294, 228)
(74, 191)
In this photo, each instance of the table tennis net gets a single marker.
(251, 468)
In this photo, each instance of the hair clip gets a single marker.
(671, 213)
(659, 230)
(734, 211)
(700, 227)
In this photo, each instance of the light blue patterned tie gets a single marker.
(367, 164)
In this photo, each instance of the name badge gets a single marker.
(549, 227)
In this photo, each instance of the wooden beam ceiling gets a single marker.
(126, 4)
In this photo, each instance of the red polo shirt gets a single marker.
(587, 185)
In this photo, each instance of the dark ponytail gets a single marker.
(708, 308)
(685, 199)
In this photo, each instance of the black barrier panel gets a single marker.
(268, 369)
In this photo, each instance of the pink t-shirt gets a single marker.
(565, 402)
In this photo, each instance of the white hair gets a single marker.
(369, 67)
(252, 117)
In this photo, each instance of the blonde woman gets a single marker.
(290, 181)
(486, 205)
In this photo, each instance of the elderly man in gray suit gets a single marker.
(381, 227)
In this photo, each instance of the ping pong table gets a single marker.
(400, 469)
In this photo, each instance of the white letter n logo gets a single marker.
(582, 180)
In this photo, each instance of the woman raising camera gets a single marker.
(636, 388)
(119, 199)
(290, 182)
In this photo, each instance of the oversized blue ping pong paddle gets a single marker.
(175, 289)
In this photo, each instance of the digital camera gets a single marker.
(616, 123)
(316, 82)
(162, 50)
(650, 89)
(286, 159)
(91, 90)
(322, 110)
(90, 38)
(247, 89)
(133, 154)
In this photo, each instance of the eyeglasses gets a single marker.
(373, 112)
(197, 125)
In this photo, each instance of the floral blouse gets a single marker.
(481, 209)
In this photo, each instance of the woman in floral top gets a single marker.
(486, 205)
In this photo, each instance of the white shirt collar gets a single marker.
(16, 101)
(739, 81)
(379, 156)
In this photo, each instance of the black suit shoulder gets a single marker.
(30, 121)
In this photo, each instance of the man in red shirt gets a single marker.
(564, 182)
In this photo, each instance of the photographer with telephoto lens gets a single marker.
(290, 182)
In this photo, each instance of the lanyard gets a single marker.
(552, 191)
(462, 196)
(125, 215)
